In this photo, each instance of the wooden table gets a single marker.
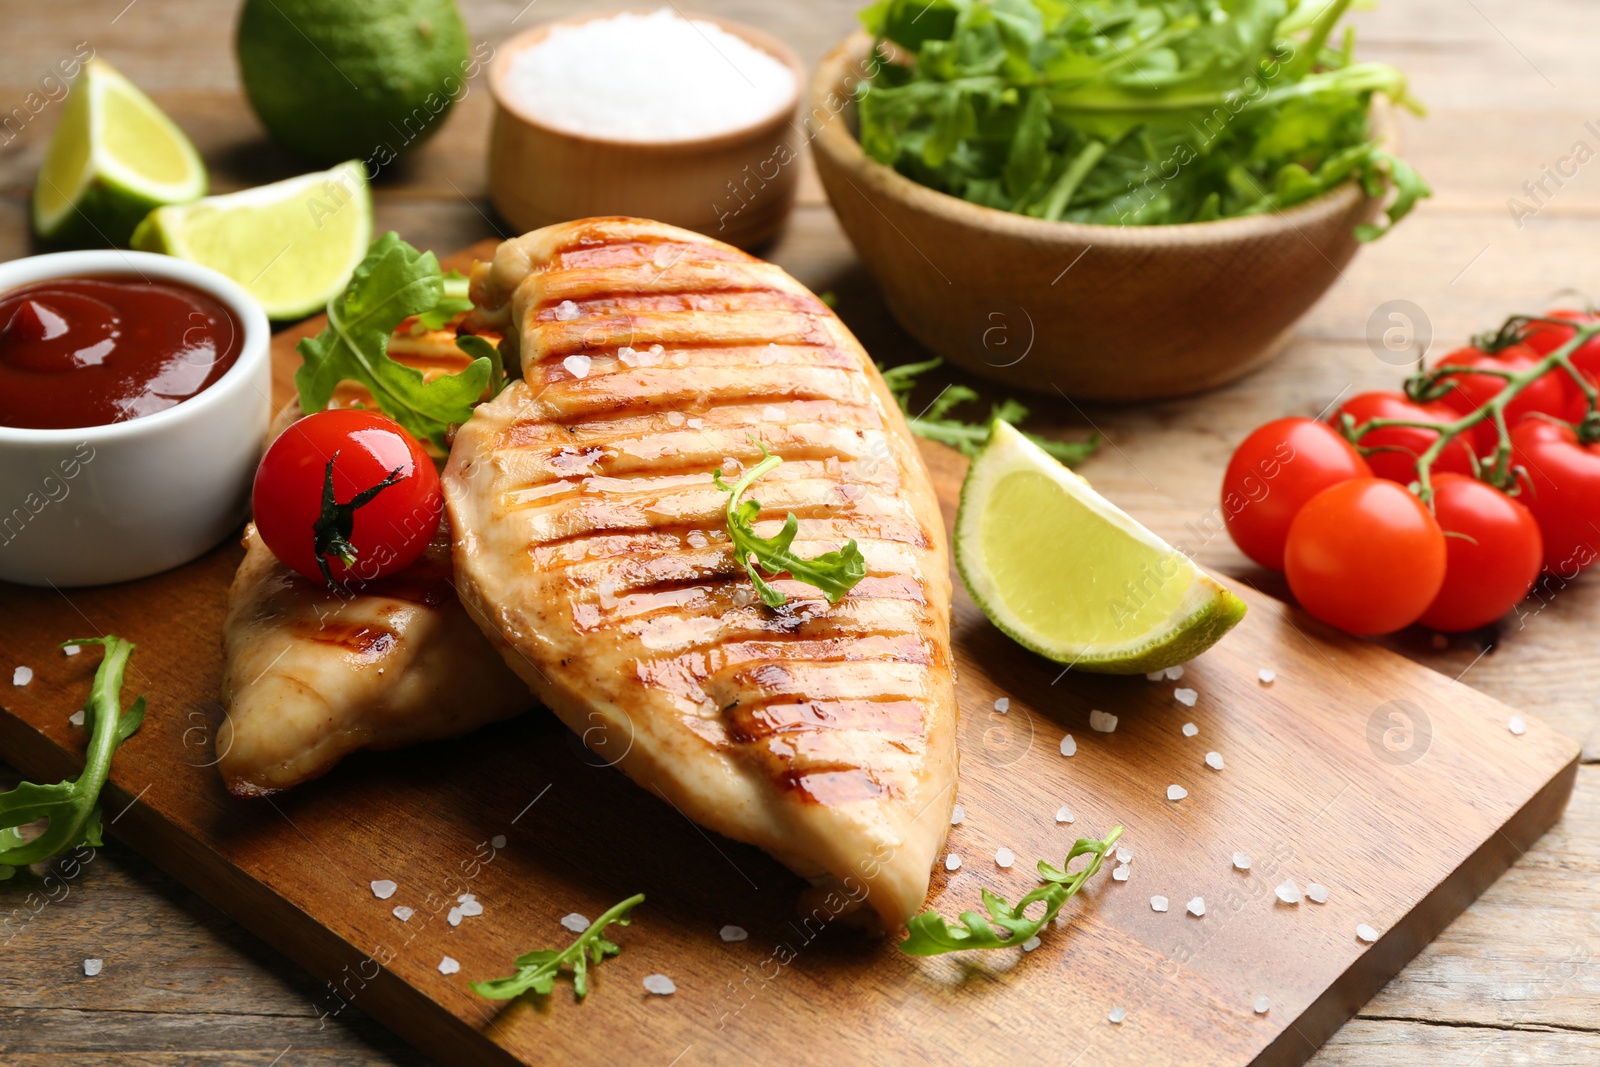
(1511, 84)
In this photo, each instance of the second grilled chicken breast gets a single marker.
(591, 544)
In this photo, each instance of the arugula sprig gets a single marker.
(1007, 925)
(537, 970)
(835, 573)
(936, 424)
(73, 806)
(393, 282)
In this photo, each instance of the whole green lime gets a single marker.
(337, 79)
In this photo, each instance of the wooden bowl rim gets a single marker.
(837, 141)
(510, 48)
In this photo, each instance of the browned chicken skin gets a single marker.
(591, 544)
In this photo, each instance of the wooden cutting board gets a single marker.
(1401, 791)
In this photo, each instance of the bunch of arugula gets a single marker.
(1006, 925)
(935, 422)
(394, 282)
(73, 806)
(537, 970)
(1129, 112)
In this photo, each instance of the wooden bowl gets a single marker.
(1105, 313)
(737, 187)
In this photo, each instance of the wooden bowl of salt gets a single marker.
(684, 119)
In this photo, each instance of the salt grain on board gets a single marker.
(1263, 1005)
(1118, 1014)
(448, 965)
(1002, 705)
(1197, 907)
(92, 967)
(498, 841)
(952, 862)
(1214, 760)
(76, 718)
(383, 889)
(1190, 729)
(575, 922)
(1102, 721)
(1004, 857)
(1288, 892)
(1156, 676)
(1174, 673)
(1518, 725)
(70, 650)
(1124, 855)
(1317, 892)
(733, 933)
(958, 815)
(1064, 814)
(454, 918)
(1267, 675)
(1186, 697)
(470, 908)
(1241, 860)
(578, 366)
(403, 913)
(1121, 873)
(1176, 792)
(660, 985)
(22, 676)
(1158, 903)
(1031, 944)
(1069, 747)
(1366, 933)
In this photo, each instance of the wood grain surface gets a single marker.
(1510, 84)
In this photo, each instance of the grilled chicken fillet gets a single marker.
(591, 544)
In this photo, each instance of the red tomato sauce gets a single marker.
(97, 350)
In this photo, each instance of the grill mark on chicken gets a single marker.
(592, 545)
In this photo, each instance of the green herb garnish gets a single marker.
(835, 573)
(935, 423)
(1129, 112)
(393, 282)
(537, 971)
(1006, 925)
(73, 806)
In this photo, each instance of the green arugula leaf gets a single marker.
(1004, 925)
(537, 971)
(935, 422)
(453, 303)
(72, 806)
(835, 573)
(393, 282)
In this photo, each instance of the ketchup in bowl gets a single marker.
(96, 350)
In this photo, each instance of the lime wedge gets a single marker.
(293, 244)
(1066, 573)
(113, 156)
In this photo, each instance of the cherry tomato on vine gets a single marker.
(1561, 486)
(1273, 473)
(385, 499)
(1547, 394)
(1493, 551)
(1365, 556)
(1544, 339)
(1397, 447)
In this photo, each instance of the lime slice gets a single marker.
(113, 156)
(1066, 573)
(293, 244)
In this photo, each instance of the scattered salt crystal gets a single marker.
(1317, 892)
(958, 815)
(772, 413)
(1173, 673)
(498, 841)
(628, 356)
(1263, 1005)
(1158, 903)
(1288, 892)
(1102, 721)
(70, 650)
(1002, 705)
(22, 676)
(566, 311)
(76, 718)
(1441, 642)
(1186, 697)
(697, 539)
(1156, 676)
(767, 355)
(1190, 729)
(1064, 814)
(1518, 725)
(464, 898)
(92, 967)
(383, 889)
(1241, 860)
(652, 356)
(1031, 944)
(471, 908)
(733, 933)
(1121, 873)
(1197, 906)
(665, 256)
(577, 366)
(1176, 792)
(1124, 855)
(674, 418)
(575, 922)
(1267, 675)
(660, 985)
(1004, 857)
(952, 862)
(1214, 760)
(1069, 747)
(403, 913)
(1118, 1014)
(454, 918)
(696, 424)
(448, 965)
(1366, 933)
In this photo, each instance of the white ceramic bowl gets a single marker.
(104, 504)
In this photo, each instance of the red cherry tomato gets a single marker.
(1273, 473)
(1472, 391)
(1365, 556)
(1493, 551)
(1544, 339)
(383, 534)
(1399, 446)
(1561, 486)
